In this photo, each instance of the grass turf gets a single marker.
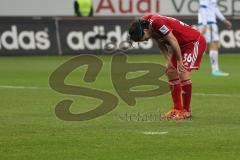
(29, 128)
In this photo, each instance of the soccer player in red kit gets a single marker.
(183, 48)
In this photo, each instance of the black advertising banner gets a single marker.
(90, 35)
(74, 35)
(27, 36)
(81, 36)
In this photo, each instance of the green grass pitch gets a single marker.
(29, 129)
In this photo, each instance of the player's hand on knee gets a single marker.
(170, 68)
(180, 67)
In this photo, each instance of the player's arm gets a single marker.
(166, 32)
(222, 18)
(203, 14)
(176, 49)
(163, 48)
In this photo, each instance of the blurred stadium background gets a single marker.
(37, 36)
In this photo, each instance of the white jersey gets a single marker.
(208, 11)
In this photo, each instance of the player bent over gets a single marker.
(183, 48)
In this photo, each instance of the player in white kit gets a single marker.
(207, 24)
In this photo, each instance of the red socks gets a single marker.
(186, 94)
(176, 90)
(181, 93)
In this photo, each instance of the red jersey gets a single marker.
(164, 25)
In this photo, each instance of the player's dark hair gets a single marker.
(136, 30)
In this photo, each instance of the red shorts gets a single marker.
(191, 54)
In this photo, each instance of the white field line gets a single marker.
(21, 87)
(194, 94)
(155, 133)
(217, 95)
